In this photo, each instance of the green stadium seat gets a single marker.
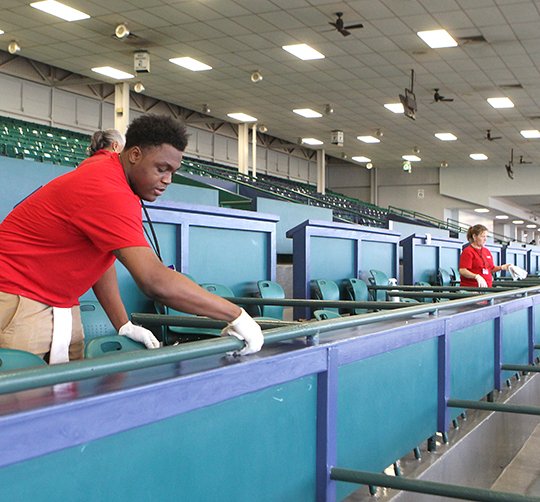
(110, 345)
(357, 291)
(271, 289)
(324, 314)
(324, 289)
(12, 359)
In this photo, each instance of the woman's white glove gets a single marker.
(139, 334)
(517, 273)
(246, 329)
(481, 281)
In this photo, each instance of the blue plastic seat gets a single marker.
(324, 289)
(379, 278)
(94, 320)
(443, 277)
(109, 345)
(218, 289)
(324, 314)
(271, 289)
(12, 359)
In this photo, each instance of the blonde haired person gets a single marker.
(476, 262)
(109, 139)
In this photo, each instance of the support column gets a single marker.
(254, 150)
(373, 186)
(243, 148)
(321, 172)
(121, 107)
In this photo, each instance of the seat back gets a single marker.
(94, 320)
(323, 314)
(379, 278)
(12, 359)
(218, 289)
(324, 289)
(423, 283)
(443, 277)
(271, 289)
(357, 291)
(456, 276)
(111, 344)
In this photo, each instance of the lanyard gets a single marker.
(481, 256)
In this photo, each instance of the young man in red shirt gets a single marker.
(65, 237)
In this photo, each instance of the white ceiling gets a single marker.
(360, 73)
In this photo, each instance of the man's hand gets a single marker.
(246, 329)
(139, 334)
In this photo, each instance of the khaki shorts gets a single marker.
(27, 325)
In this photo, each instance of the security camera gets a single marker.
(369, 165)
(379, 133)
(13, 47)
(328, 109)
(256, 76)
(416, 149)
(263, 128)
(444, 163)
(138, 87)
(121, 31)
(205, 109)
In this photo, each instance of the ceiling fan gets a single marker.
(339, 25)
(437, 97)
(510, 164)
(489, 137)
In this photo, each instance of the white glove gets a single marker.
(246, 329)
(481, 281)
(517, 272)
(139, 334)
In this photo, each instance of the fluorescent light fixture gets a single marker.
(368, 139)
(411, 158)
(308, 113)
(501, 217)
(109, 71)
(360, 158)
(311, 141)
(445, 136)
(394, 107)
(481, 210)
(303, 51)
(190, 64)
(478, 156)
(531, 225)
(530, 133)
(500, 102)
(437, 39)
(1, 32)
(242, 117)
(518, 222)
(59, 10)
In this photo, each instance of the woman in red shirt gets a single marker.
(476, 263)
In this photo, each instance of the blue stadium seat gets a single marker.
(109, 345)
(271, 289)
(324, 289)
(12, 359)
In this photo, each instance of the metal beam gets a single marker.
(503, 407)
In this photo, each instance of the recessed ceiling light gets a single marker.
(394, 107)
(518, 222)
(303, 51)
(361, 158)
(311, 141)
(478, 156)
(500, 102)
(1, 32)
(190, 64)
(411, 158)
(368, 139)
(59, 10)
(308, 113)
(242, 117)
(445, 136)
(109, 71)
(530, 133)
(501, 217)
(481, 210)
(531, 225)
(437, 39)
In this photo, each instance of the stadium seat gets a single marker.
(94, 320)
(12, 359)
(324, 314)
(271, 289)
(357, 291)
(324, 289)
(109, 345)
(379, 278)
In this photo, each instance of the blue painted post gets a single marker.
(497, 376)
(531, 325)
(327, 389)
(443, 413)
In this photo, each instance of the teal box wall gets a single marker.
(371, 431)
(257, 447)
(332, 258)
(378, 256)
(514, 340)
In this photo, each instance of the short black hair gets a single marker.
(156, 130)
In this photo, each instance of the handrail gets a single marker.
(31, 378)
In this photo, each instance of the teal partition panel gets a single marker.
(425, 263)
(371, 433)
(236, 258)
(379, 256)
(536, 337)
(449, 258)
(514, 340)
(472, 362)
(337, 255)
(257, 447)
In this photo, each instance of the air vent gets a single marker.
(472, 39)
(534, 117)
(510, 86)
